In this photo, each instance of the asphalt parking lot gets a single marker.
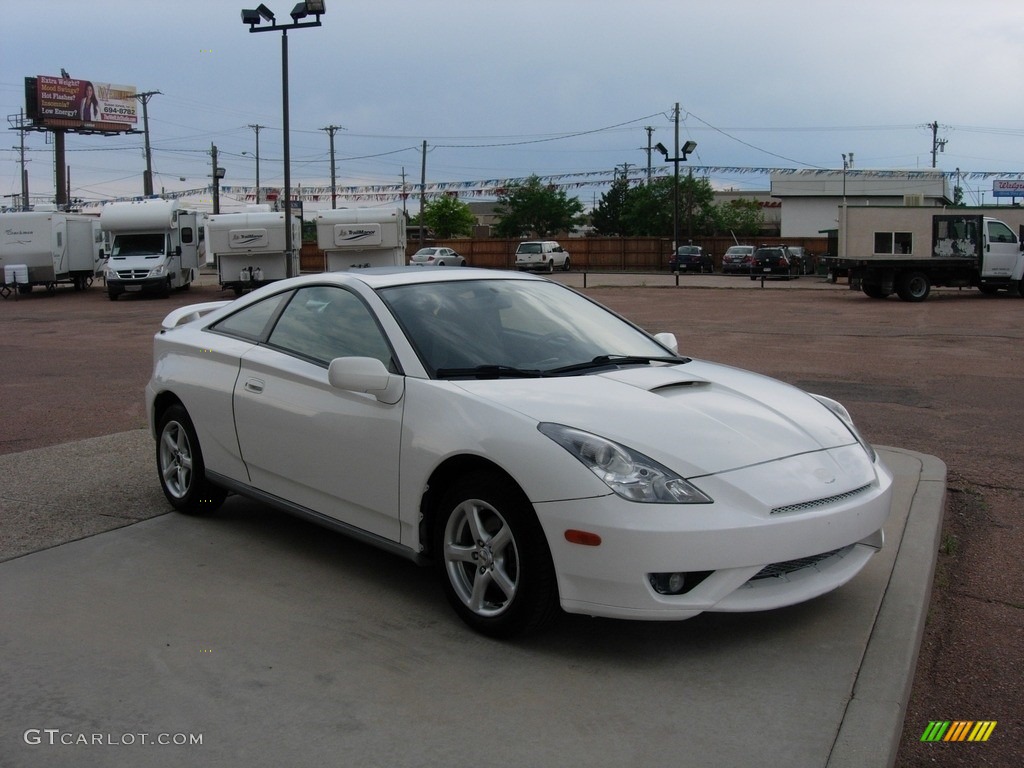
(280, 645)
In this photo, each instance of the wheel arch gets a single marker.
(441, 479)
(161, 403)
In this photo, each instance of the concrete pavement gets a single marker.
(273, 643)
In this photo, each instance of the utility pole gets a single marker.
(17, 122)
(147, 177)
(256, 127)
(331, 130)
(938, 145)
(423, 192)
(216, 180)
(405, 215)
(650, 131)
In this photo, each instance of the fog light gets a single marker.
(676, 583)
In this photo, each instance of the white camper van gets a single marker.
(154, 247)
(357, 238)
(46, 247)
(249, 247)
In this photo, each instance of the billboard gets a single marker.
(1007, 188)
(64, 102)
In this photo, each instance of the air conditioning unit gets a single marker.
(916, 199)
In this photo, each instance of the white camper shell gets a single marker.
(249, 248)
(45, 248)
(357, 238)
(154, 247)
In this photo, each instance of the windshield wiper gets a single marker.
(603, 361)
(490, 372)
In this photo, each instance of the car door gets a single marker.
(1001, 250)
(332, 451)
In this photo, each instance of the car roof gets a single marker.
(382, 277)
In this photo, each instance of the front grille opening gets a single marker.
(804, 506)
(791, 566)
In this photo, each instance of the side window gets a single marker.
(323, 322)
(251, 322)
(187, 235)
(1000, 233)
(889, 243)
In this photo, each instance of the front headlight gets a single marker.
(840, 412)
(631, 475)
(158, 271)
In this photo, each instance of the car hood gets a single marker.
(698, 418)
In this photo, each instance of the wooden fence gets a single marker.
(622, 254)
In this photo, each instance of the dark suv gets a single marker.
(773, 261)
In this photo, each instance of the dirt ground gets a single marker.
(944, 377)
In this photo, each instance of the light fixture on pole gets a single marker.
(254, 18)
(688, 147)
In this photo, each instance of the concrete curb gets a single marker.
(873, 724)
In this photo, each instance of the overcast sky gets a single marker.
(505, 89)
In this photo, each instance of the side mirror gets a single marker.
(367, 375)
(177, 250)
(668, 340)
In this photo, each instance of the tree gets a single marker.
(448, 216)
(533, 208)
(648, 209)
(607, 215)
(743, 218)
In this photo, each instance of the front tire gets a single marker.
(493, 557)
(179, 461)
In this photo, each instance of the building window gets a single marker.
(894, 243)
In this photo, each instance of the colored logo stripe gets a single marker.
(958, 730)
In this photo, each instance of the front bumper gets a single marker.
(147, 285)
(738, 554)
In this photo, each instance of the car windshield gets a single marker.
(425, 252)
(529, 248)
(688, 250)
(515, 328)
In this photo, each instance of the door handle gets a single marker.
(254, 385)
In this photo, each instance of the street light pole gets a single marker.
(680, 156)
(254, 18)
(289, 246)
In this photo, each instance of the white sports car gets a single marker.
(538, 449)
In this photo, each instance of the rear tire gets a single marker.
(493, 557)
(179, 462)
(874, 291)
(913, 286)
